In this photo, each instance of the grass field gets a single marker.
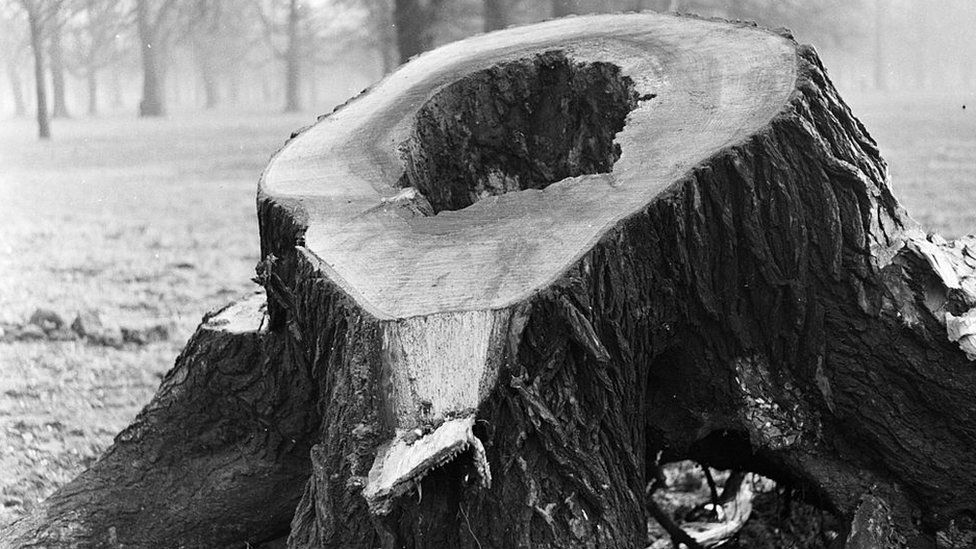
(144, 221)
(150, 221)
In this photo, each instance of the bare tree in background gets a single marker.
(54, 29)
(13, 45)
(152, 19)
(205, 25)
(380, 32)
(35, 19)
(415, 20)
(381, 12)
(221, 35)
(283, 23)
(40, 13)
(93, 42)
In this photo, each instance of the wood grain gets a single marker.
(715, 84)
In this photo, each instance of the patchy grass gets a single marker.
(144, 221)
(153, 221)
(930, 145)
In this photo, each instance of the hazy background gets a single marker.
(273, 55)
(136, 215)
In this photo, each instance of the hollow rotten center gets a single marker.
(519, 125)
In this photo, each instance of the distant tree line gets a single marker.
(279, 49)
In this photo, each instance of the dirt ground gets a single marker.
(151, 222)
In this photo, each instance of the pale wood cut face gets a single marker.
(715, 84)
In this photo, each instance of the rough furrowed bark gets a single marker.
(774, 310)
(218, 458)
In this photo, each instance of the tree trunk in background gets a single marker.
(292, 61)
(16, 88)
(60, 107)
(381, 20)
(92, 78)
(880, 62)
(37, 47)
(495, 14)
(152, 86)
(415, 21)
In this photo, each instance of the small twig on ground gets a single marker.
(711, 483)
(677, 534)
(468, 522)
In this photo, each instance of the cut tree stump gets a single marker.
(528, 266)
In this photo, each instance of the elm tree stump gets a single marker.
(528, 266)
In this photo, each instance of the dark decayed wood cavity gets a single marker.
(519, 125)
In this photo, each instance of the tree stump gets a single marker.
(508, 281)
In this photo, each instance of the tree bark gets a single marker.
(40, 86)
(152, 103)
(60, 107)
(619, 273)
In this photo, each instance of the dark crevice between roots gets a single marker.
(518, 125)
(797, 513)
(426, 510)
